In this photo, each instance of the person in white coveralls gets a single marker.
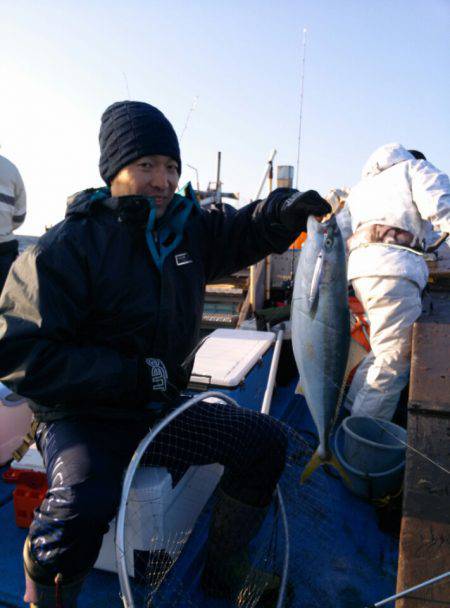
(13, 206)
(390, 209)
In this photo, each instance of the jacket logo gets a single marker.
(158, 373)
(183, 258)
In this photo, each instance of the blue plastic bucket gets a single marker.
(368, 485)
(373, 445)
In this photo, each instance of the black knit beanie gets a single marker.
(130, 130)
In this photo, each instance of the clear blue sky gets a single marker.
(375, 72)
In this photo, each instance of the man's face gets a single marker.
(154, 175)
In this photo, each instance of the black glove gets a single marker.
(297, 206)
(154, 383)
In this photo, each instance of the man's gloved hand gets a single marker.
(297, 206)
(154, 382)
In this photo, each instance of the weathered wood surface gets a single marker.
(430, 362)
(440, 270)
(425, 534)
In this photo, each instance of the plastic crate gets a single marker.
(15, 420)
(31, 487)
(26, 500)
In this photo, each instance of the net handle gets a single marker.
(284, 575)
(126, 593)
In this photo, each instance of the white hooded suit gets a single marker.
(400, 191)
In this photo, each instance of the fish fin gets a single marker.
(316, 462)
(334, 462)
(299, 389)
(313, 464)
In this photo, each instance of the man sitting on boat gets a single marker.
(390, 209)
(96, 322)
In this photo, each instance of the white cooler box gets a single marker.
(15, 420)
(160, 512)
(236, 362)
(156, 510)
(227, 356)
(31, 461)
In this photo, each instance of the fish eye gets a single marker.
(328, 242)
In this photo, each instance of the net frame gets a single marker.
(125, 587)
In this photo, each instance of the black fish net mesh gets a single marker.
(172, 500)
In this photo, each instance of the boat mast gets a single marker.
(302, 81)
(218, 182)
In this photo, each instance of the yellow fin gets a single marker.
(316, 462)
(299, 389)
(334, 462)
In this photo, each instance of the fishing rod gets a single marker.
(397, 596)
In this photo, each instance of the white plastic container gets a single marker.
(15, 420)
(159, 514)
(31, 461)
(228, 355)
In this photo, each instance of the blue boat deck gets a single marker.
(339, 556)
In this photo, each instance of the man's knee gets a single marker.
(270, 449)
(70, 513)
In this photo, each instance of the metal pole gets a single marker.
(267, 400)
(268, 258)
(266, 173)
(411, 589)
(301, 109)
(196, 175)
(218, 185)
(252, 284)
(287, 550)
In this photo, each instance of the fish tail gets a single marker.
(313, 464)
(299, 389)
(334, 462)
(317, 461)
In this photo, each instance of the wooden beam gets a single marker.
(425, 532)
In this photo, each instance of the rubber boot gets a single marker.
(40, 592)
(228, 572)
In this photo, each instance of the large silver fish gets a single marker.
(321, 330)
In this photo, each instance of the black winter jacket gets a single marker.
(82, 308)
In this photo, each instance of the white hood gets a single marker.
(384, 157)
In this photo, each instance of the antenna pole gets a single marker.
(302, 81)
(126, 84)
(188, 117)
(218, 182)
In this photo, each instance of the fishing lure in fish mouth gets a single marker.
(315, 281)
(328, 240)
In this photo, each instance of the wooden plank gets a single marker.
(424, 551)
(439, 270)
(427, 479)
(245, 311)
(430, 361)
(431, 559)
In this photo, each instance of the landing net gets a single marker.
(163, 522)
